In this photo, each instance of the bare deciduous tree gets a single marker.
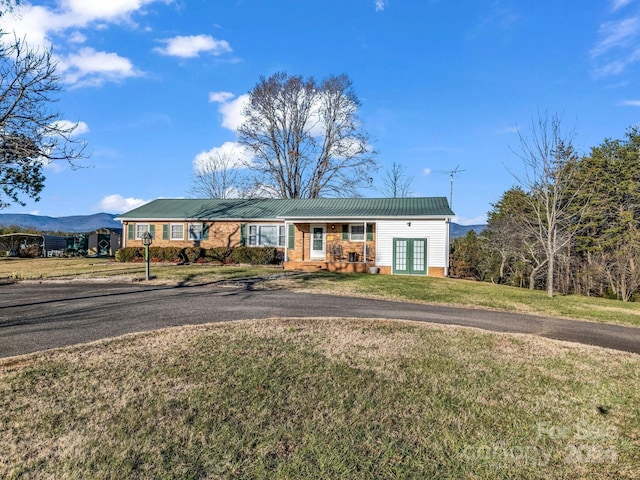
(396, 183)
(506, 240)
(217, 176)
(305, 137)
(621, 267)
(32, 134)
(8, 6)
(549, 160)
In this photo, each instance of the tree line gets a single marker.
(570, 224)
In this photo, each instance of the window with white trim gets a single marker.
(266, 236)
(141, 228)
(195, 231)
(356, 232)
(176, 231)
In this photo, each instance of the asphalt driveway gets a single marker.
(36, 317)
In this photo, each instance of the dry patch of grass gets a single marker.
(100, 269)
(63, 268)
(314, 398)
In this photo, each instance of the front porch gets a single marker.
(331, 246)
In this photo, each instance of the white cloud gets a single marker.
(74, 128)
(91, 68)
(77, 37)
(116, 203)
(629, 103)
(426, 171)
(610, 69)
(507, 130)
(616, 34)
(618, 4)
(618, 46)
(220, 97)
(54, 167)
(237, 155)
(191, 46)
(39, 23)
(231, 110)
(618, 66)
(61, 24)
(380, 4)
(33, 23)
(84, 11)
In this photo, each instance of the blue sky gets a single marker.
(154, 84)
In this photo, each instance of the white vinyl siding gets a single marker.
(435, 231)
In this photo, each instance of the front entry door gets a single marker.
(318, 246)
(410, 256)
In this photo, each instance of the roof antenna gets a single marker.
(451, 173)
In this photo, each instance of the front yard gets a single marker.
(333, 398)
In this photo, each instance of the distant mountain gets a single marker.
(76, 223)
(90, 223)
(458, 230)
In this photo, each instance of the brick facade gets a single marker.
(221, 234)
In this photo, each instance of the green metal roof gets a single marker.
(289, 209)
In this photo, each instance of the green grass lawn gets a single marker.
(330, 398)
(281, 399)
(472, 294)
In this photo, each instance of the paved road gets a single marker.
(36, 317)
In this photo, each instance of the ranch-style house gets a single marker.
(408, 236)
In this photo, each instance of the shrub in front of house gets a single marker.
(192, 254)
(219, 254)
(164, 254)
(156, 254)
(224, 255)
(130, 254)
(255, 255)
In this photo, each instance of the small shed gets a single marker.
(104, 242)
